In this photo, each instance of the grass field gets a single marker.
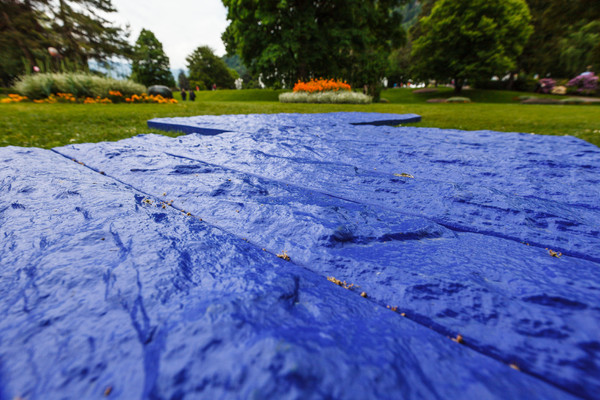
(50, 125)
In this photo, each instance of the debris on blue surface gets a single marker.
(301, 257)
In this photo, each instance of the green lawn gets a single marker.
(50, 125)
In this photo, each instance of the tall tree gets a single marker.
(74, 27)
(23, 37)
(299, 39)
(204, 66)
(84, 34)
(563, 40)
(471, 39)
(150, 63)
(183, 81)
(580, 48)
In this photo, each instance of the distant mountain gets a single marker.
(114, 69)
(410, 13)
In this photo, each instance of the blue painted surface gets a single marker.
(103, 287)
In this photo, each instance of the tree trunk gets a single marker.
(458, 85)
(511, 81)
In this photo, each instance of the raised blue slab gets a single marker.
(213, 125)
(149, 266)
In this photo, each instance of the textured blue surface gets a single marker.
(103, 287)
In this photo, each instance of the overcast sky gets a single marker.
(180, 25)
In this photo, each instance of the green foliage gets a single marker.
(198, 85)
(235, 62)
(563, 28)
(341, 97)
(183, 81)
(523, 83)
(471, 39)
(83, 34)
(581, 48)
(23, 38)
(150, 63)
(39, 86)
(410, 13)
(75, 28)
(400, 64)
(293, 40)
(203, 65)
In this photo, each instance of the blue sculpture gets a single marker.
(301, 256)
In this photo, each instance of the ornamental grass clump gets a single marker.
(458, 100)
(80, 85)
(324, 91)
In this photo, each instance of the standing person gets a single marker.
(192, 95)
(214, 86)
(183, 94)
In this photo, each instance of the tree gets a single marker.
(471, 39)
(23, 38)
(74, 27)
(183, 81)
(150, 63)
(204, 66)
(82, 34)
(580, 48)
(564, 31)
(294, 40)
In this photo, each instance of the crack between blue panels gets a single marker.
(452, 227)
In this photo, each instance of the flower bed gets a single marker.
(14, 98)
(324, 91)
(586, 83)
(321, 85)
(114, 96)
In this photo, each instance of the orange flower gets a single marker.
(14, 98)
(321, 85)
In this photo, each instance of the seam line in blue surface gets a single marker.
(452, 227)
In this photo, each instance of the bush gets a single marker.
(586, 83)
(491, 85)
(546, 85)
(577, 100)
(326, 97)
(197, 85)
(458, 100)
(541, 100)
(521, 84)
(40, 86)
(525, 84)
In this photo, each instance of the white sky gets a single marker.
(180, 25)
